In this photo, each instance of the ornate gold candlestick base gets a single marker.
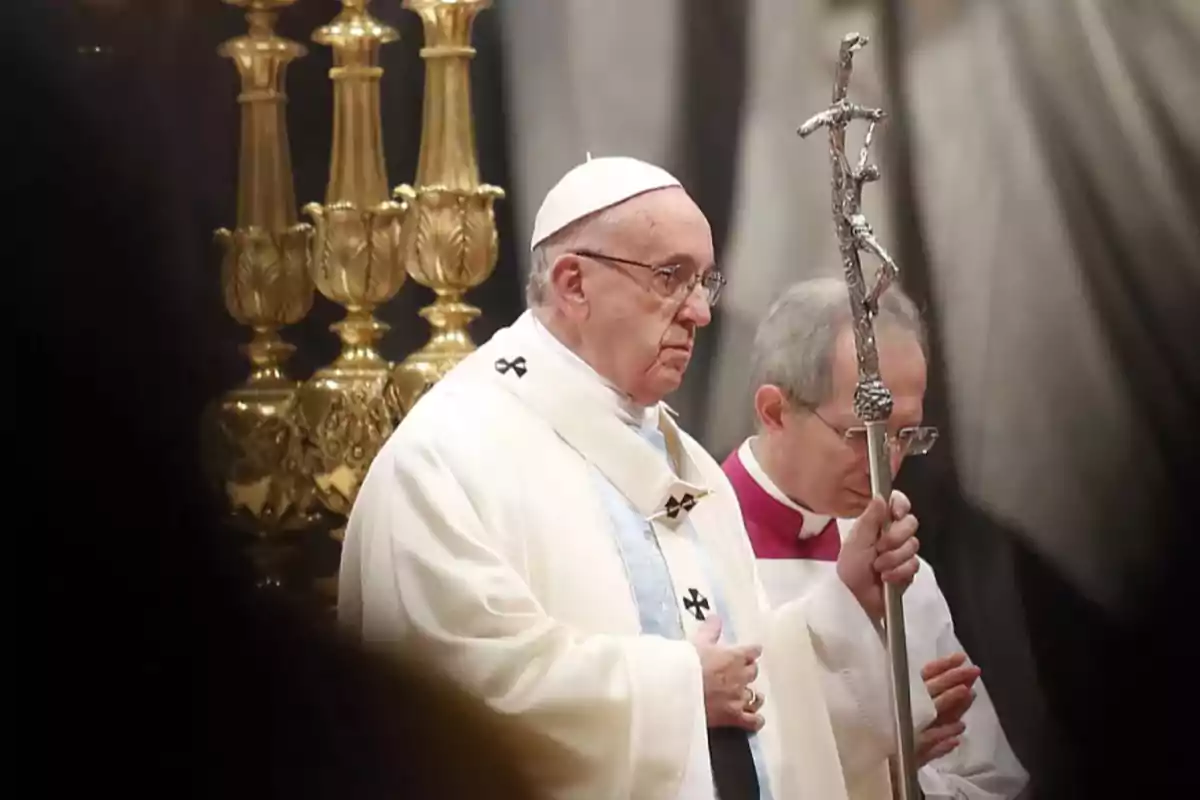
(253, 446)
(348, 411)
(455, 242)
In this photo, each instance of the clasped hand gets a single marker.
(949, 681)
(728, 671)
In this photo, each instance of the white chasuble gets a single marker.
(488, 538)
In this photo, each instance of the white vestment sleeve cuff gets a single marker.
(934, 786)
(668, 713)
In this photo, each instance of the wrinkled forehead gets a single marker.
(660, 226)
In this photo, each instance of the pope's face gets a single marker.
(638, 323)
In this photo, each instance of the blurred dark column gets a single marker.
(713, 75)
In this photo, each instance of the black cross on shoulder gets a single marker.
(517, 365)
(695, 604)
(677, 504)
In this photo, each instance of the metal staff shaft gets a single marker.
(903, 764)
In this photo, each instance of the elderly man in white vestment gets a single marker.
(540, 529)
(803, 479)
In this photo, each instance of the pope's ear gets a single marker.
(770, 403)
(566, 281)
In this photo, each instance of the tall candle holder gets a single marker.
(253, 448)
(359, 251)
(455, 241)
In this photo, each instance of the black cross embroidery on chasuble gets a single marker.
(695, 604)
(517, 365)
(674, 504)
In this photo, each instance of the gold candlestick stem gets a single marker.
(252, 444)
(359, 251)
(455, 242)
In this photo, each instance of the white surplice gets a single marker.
(480, 540)
(983, 766)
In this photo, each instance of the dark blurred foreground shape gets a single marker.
(152, 666)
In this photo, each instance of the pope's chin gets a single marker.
(667, 373)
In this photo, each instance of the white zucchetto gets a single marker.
(594, 185)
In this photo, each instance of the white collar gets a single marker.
(813, 522)
(638, 416)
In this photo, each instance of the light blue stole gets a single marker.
(650, 579)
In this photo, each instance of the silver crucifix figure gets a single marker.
(872, 400)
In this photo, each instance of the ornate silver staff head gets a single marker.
(872, 400)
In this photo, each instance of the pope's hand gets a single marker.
(728, 672)
(868, 559)
(949, 681)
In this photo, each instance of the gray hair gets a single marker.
(543, 256)
(795, 342)
(539, 275)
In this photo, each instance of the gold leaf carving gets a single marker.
(481, 240)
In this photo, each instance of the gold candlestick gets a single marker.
(455, 243)
(359, 250)
(253, 447)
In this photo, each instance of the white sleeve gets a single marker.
(983, 766)
(855, 678)
(421, 572)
